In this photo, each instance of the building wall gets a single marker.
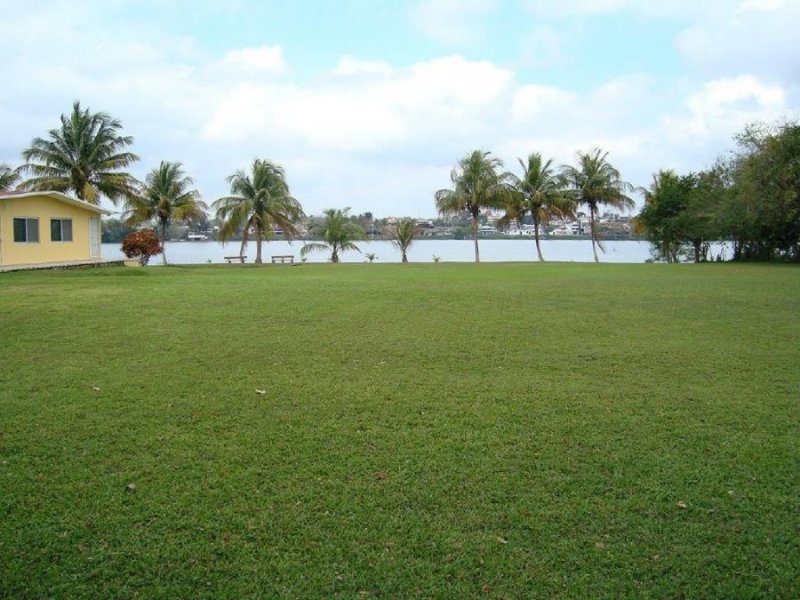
(44, 251)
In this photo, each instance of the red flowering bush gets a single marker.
(142, 244)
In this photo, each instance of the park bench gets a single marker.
(237, 258)
(283, 258)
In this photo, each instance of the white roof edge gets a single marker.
(58, 196)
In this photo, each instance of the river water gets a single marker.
(420, 251)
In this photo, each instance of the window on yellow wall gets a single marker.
(26, 230)
(60, 230)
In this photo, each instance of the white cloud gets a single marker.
(385, 106)
(550, 106)
(758, 39)
(559, 122)
(725, 106)
(349, 66)
(759, 5)
(720, 37)
(535, 102)
(721, 95)
(264, 59)
(451, 22)
(730, 104)
(389, 186)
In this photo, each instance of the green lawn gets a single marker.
(427, 431)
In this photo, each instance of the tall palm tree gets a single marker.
(478, 183)
(259, 202)
(84, 155)
(338, 233)
(8, 177)
(166, 196)
(540, 193)
(595, 182)
(402, 234)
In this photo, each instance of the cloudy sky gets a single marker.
(369, 103)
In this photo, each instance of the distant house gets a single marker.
(48, 228)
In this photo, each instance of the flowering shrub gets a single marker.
(142, 245)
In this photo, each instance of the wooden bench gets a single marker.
(283, 258)
(237, 258)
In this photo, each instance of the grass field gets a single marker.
(429, 431)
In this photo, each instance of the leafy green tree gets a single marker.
(595, 183)
(681, 214)
(751, 200)
(259, 202)
(662, 217)
(767, 192)
(8, 178)
(540, 193)
(402, 234)
(337, 232)
(166, 196)
(478, 184)
(85, 155)
(700, 224)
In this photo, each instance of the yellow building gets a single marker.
(48, 228)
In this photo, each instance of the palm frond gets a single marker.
(349, 247)
(166, 196)
(314, 247)
(478, 183)
(402, 234)
(262, 199)
(84, 155)
(8, 177)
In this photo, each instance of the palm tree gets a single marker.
(85, 155)
(338, 233)
(595, 182)
(477, 184)
(539, 193)
(165, 197)
(259, 202)
(402, 235)
(8, 177)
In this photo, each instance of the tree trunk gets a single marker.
(594, 235)
(164, 242)
(536, 235)
(244, 239)
(696, 244)
(475, 238)
(405, 258)
(258, 246)
(335, 255)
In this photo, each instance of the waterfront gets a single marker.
(421, 251)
